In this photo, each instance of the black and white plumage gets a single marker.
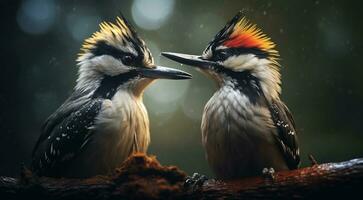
(104, 120)
(245, 125)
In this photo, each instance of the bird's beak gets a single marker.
(192, 60)
(157, 72)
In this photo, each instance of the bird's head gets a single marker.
(239, 50)
(115, 56)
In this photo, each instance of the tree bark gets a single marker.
(331, 180)
(142, 177)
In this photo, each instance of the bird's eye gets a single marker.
(127, 60)
(220, 56)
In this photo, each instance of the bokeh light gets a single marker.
(36, 16)
(165, 95)
(151, 15)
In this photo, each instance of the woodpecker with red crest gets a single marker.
(245, 126)
(104, 120)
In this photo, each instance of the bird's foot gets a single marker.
(195, 182)
(268, 173)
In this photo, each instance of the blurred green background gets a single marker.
(320, 43)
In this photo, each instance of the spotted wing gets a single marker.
(74, 102)
(66, 138)
(286, 136)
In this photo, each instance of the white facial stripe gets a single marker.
(108, 65)
(92, 69)
(221, 47)
(240, 63)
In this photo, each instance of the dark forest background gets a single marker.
(320, 43)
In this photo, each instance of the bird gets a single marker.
(104, 120)
(246, 127)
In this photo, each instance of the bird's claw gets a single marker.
(268, 173)
(195, 181)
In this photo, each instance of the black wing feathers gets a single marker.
(67, 137)
(74, 102)
(286, 138)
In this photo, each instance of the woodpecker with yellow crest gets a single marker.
(104, 120)
(246, 128)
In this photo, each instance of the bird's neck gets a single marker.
(89, 78)
(137, 87)
(241, 84)
(269, 78)
(258, 80)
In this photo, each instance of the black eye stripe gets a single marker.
(102, 48)
(223, 54)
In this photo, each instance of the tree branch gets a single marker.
(331, 180)
(142, 177)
